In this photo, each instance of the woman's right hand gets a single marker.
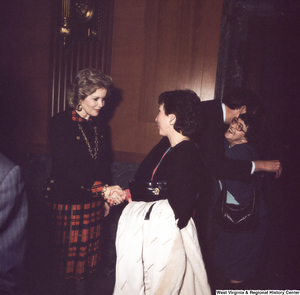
(114, 195)
(124, 194)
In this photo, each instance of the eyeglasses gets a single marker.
(239, 126)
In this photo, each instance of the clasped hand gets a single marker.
(114, 195)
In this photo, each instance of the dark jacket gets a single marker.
(73, 171)
(240, 190)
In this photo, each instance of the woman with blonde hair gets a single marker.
(78, 182)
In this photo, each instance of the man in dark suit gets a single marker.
(13, 219)
(216, 117)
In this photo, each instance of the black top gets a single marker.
(184, 172)
(73, 170)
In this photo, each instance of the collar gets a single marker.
(224, 112)
(77, 118)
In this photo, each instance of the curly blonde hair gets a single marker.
(86, 83)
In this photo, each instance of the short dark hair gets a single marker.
(253, 134)
(238, 97)
(185, 105)
(86, 82)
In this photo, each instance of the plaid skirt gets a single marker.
(77, 237)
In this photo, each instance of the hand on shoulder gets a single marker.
(269, 166)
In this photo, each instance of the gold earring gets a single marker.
(79, 107)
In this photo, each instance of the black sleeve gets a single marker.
(183, 179)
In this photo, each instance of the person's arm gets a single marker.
(115, 194)
(222, 167)
(13, 219)
(269, 166)
(147, 166)
(182, 182)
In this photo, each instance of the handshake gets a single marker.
(114, 195)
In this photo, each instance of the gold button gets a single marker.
(46, 197)
(78, 137)
(51, 181)
(48, 188)
(82, 187)
(156, 191)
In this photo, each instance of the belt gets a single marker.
(148, 191)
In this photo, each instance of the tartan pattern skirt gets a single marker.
(77, 237)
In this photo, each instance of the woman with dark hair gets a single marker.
(80, 172)
(157, 245)
(237, 255)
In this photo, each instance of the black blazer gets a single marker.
(73, 171)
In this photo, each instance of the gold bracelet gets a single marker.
(104, 190)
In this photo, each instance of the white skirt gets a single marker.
(154, 256)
